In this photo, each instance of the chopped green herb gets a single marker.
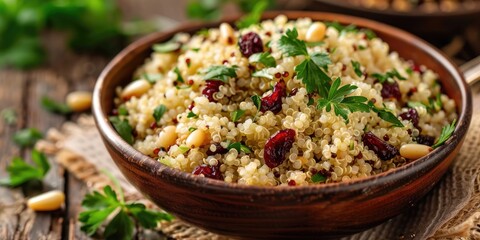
(183, 87)
(221, 72)
(99, 207)
(446, 133)
(27, 137)
(236, 115)
(356, 67)
(191, 129)
(388, 75)
(257, 101)
(290, 45)
(239, 147)
(183, 149)
(314, 44)
(20, 172)
(361, 47)
(122, 111)
(337, 98)
(416, 104)
(9, 116)
(369, 33)
(342, 28)
(152, 77)
(310, 101)
(55, 107)
(264, 58)
(254, 16)
(159, 111)
(192, 115)
(263, 74)
(386, 115)
(352, 145)
(321, 59)
(167, 47)
(123, 128)
(409, 70)
(179, 75)
(317, 177)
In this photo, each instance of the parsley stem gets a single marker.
(116, 183)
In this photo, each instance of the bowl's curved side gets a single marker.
(282, 212)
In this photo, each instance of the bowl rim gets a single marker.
(179, 177)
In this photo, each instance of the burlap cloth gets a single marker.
(449, 211)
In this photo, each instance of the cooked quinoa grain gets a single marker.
(237, 106)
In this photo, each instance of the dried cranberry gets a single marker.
(218, 149)
(417, 68)
(411, 115)
(273, 102)
(212, 87)
(153, 125)
(208, 171)
(391, 90)
(425, 140)
(277, 147)
(191, 106)
(250, 43)
(383, 150)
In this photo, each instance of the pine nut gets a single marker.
(79, 101)
(316, 32)
(414, 151)
(48, 201)
(226, 33)
(136, 89)
(196, 138)
(167, 137)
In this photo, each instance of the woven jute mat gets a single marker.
(450, 211)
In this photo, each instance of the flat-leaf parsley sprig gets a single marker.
(100, 206)
(446, 133)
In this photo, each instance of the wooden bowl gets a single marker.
(326, 210)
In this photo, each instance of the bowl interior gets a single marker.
(121, 68)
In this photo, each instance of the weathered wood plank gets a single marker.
(11, 96)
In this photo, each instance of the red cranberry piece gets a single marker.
(411, 115)
(383, 150)
(292, 183)
(277, 146)
(156, 151)
(391, 90)
(218, 149)
(273, 102)
(425, 140)
(208, 171)
(211, 88)
(417, 68)
(250, 43)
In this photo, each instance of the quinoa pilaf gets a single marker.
(282, 103)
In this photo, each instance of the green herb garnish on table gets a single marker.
(21, 172)
(9, 116)
(27, 137)
(54, 106)
(100, 206)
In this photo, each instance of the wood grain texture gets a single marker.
(327, 210)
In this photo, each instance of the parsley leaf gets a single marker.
(447, 131)
(27, 137)
(9, 115)
(236, 115)
(356, 67)
(99, 207)
(191, 129)
(317, 177)
(123, 128)
(388, 75)
(264, 58)
(254, 16)
(309, 69)
(159, 111)
(192, 115)
(21, 172)
(239, 147)
(220, 72)
(167, 47)
(152, 77)
(337, 98)
(342, 28)
(179, 75)
(122, 111)
(55, 107)
(262, 73)
(183, 149)
(257, 101)
(386, 115)
(369, 33)
(314, 44)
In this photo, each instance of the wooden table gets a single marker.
(21, 91)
